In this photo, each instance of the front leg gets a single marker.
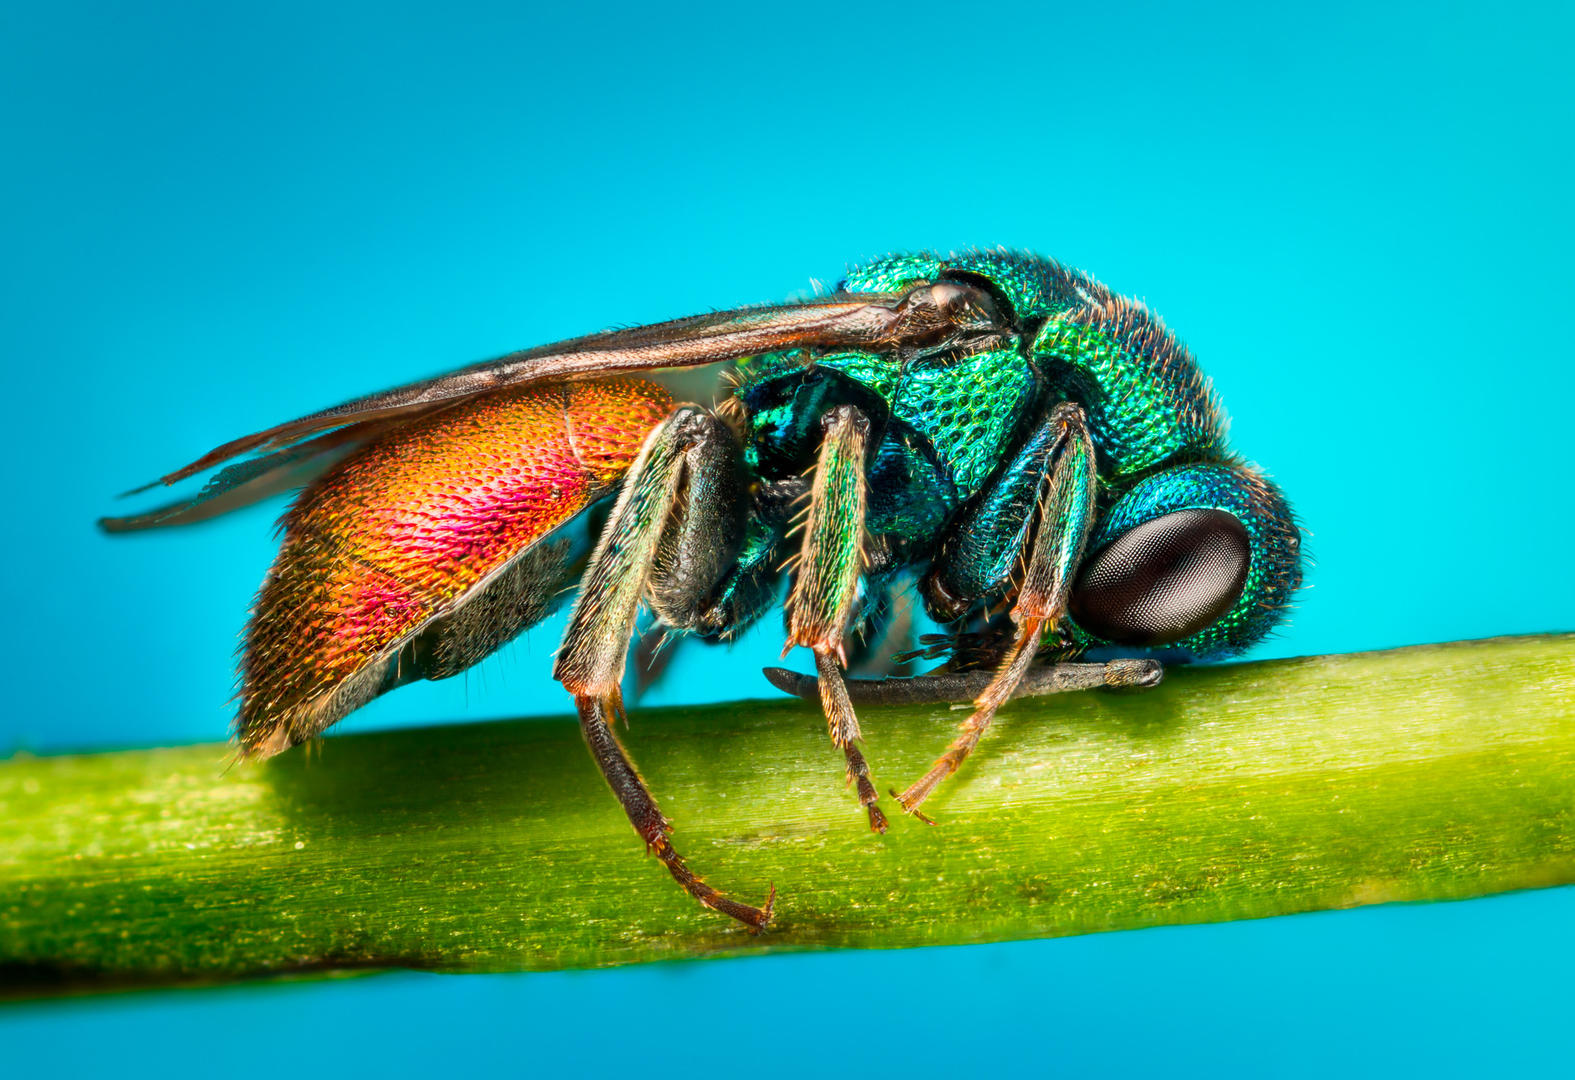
(826, 587)
(1059, 524)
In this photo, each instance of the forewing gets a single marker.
(927, 314)
(250, 481)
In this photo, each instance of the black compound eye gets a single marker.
(1163, 580)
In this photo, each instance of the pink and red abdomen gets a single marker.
(408, 527)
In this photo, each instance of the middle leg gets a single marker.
(826, 586)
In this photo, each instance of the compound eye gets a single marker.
(1163, 580)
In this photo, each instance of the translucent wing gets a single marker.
(255, 479)
(929, 314)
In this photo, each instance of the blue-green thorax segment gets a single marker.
(946, 424)
(1032, 288)
(1146, 399)
(948, 421)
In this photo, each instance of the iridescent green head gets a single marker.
(1198, 561)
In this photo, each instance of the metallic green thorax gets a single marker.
(948, 429)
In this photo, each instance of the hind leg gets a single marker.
(685, 455)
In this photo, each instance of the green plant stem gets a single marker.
(1229, 792)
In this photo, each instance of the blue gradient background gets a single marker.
(217, 218)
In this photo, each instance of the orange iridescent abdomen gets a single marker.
(409, 527)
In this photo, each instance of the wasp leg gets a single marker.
(697, 552)
(647, 819)
(948, 686)
(1064, 516)
(596, 645)
(826, 586)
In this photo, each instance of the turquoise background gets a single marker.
(218, 217)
